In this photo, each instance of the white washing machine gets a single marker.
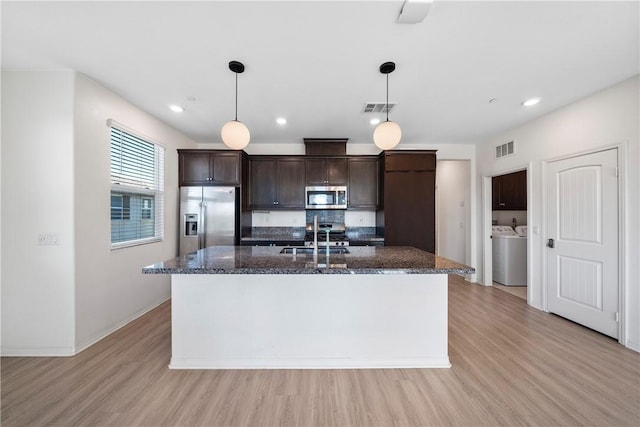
(509, 255)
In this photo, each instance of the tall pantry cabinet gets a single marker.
(408, 185)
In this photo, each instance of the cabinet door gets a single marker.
(326, 171)
(336, 171)
(263, 183)
(225, 168)
(514, 190)
(396, 162)
(509, 192)
(496, 193)
(316, 172)
(410, 209)
(194, 169)
(290, 183)
(363, 183)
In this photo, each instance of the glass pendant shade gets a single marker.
(235, 135)
(387, 135)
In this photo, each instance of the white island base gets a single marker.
(291, 321)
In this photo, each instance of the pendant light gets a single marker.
(235, 134)
(387, 134)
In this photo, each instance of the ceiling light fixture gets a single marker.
(387, 134)
(176, 108)
(374, 121)
(281, 121)
(530, 102)
(235, 134)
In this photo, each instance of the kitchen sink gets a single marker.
(304, 250)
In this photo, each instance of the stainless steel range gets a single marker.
(337, 235)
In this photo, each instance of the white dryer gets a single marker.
(509, 255)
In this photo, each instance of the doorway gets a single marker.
(509, 232)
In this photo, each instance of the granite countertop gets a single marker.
(273, 237)
(269, 260)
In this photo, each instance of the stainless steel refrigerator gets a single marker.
(208, 217)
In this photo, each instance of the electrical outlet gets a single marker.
(48, 239)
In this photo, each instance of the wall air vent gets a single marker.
(378, 107)
(505, 149)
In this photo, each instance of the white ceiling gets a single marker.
(316, 62)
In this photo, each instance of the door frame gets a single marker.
(622, 240)
(487, 217)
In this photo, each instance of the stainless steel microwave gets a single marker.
(326, 197)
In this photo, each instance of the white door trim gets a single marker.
(621, 148)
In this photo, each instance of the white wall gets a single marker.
(506, 217)
(57, 300)
(607, 118)
(38, 307)
(110, 290)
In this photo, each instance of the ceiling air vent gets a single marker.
(378, 107)
(504, 150)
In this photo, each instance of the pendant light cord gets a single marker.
(237, 96)
(387, 107)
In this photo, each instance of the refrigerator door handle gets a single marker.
(202, 236)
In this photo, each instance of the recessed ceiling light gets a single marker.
(176, 108)
(281, 121)
(374, 121)
(530, 102)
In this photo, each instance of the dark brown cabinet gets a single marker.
(276, 183)
(209, 167)
(409, 184)
(509, 192)
(326, 171)
(362, 189)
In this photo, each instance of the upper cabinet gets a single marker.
(276, 183)
(326, 171)
(209, 167)
(363, 182)
(509, 192)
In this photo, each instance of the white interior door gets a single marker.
(582, 250)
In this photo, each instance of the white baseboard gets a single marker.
(37, 351)
(101, 335)
(309, 363)
(633, 345)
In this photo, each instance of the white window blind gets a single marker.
(137, 189)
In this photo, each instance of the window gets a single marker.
(120, 206)
(137, 189)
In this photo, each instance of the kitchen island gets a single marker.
(239, 307)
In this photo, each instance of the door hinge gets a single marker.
(617, 173)
(617, 317)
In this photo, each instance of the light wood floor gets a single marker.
(519, 291)
(512, 366)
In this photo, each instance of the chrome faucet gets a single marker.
(327, 248)
(315, 237)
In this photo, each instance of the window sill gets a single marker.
(131, 243)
